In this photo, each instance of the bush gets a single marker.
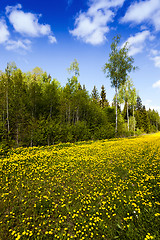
(139, 131)
(104, 132)
(80, 131)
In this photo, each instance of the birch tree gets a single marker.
(71, 89)
(127, 94)
(118, 66)
(133, 98)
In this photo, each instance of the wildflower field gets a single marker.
(106, 189)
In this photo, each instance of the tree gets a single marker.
(154, 120)
(51, 98)
(11, 67)
(95, 94)
(18, 111)
(118, 66)
(142, 117)
(125, 91)
(127, 94)
(139, 103)
(133, 99)
(68, 106)
(74, 67)
(145, 120)
(103, 101)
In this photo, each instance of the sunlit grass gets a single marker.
(90, 190)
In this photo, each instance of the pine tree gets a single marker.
(95, 94)
(103, 101)
(139, 103)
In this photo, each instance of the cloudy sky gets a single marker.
(51, 34)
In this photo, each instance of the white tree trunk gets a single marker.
(127, 116)
(7, 106)
(116, 111)
(134, 120)
(17, 136)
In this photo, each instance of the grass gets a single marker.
(91, 190)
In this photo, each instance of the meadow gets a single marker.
(108, 189)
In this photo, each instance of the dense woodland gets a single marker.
(36, 110)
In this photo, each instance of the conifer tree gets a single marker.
(95, 94)
(103, 101)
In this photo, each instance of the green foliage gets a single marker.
(74, 67)
(103, 101)
(104, 132)
(81, 131)
(35, 110)
(119, 64)
(95, 94)
(111, 114)
(118, 67)
(121, 125)
(154, 120)
(139, 103)
(142, 120)
(127, 94)
(132, 123)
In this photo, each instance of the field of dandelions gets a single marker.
(108, 189)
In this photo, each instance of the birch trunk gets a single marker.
(77, 114)
(7, 106)
(134, 121)
(51, 110)
(116, 110)
(69, 114)
(127, 116)
(17, 137)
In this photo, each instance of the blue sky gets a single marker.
(51, 34)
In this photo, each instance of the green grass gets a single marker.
(90, 190)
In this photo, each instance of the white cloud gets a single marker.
(156, 60)
(27, 23)
(91, 26)
(11, 44)
(156, 20)
(155, 56)
(136, 43)
(156, 84)
(20, 44)
(96, 5)
(149, 104)
(4, 33)
(142, 11)
(154, 52)
(156, 108)
(52, 39)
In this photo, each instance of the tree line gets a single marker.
(36, 110)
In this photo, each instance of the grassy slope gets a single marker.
(90, 190)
